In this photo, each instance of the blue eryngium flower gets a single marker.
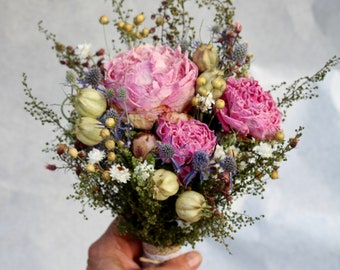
(167, 153)
(229, 165)
(200, 165)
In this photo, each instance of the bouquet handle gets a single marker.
(153, 255)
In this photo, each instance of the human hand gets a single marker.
(115, 252)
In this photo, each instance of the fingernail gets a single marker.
(194, 259)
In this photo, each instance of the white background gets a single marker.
(40, 229)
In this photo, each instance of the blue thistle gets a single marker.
(200, 161)
(229, 165)
(200, 165)
(93, 77)
(239, 53)
(111, 113)
(167, 153)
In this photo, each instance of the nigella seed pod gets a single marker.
(90, 103)
(165, 184)
(88, 131)
(205, 57)
(190, 206)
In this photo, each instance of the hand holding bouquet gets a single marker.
(168, 133)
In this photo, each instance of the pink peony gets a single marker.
(156, 79)
(187, 136)
(249, 109)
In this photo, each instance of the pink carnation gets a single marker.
(187, 136)
(249, 109)
(156, 79)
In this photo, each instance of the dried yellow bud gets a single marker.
(220, 104)
(201, 81)
(105, 133)
(106, 175)
(145, 32)
(218, 83)
(111, 156)
(121, 25)
(195, 101)
(274, 175)
(90, 168)
(159, 21)
(73, 152)
(128, 27)
(120, 144)
(139, 19)
(203, 91)
(280, 136)
(110, 144)
(110, 122)
(103, 20)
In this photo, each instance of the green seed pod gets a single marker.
(90, 103)
(205, 57)
(190, 206)
(88, 131)
(166, 184)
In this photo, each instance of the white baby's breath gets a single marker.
(264, 149)
(144, 170)
(220, 153)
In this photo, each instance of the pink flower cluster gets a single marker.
(249, 109)
(187, 135)
(156, 79)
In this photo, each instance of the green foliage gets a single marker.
(303, 88)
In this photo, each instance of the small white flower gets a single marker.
(242, 165)
(186, 226)
(264, 149)
(144, 170)
(220, 153)
(115, 189)
(83, 50)
(119, 173)
(206, 103)
(95, 156)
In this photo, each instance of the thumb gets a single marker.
(187, 261)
